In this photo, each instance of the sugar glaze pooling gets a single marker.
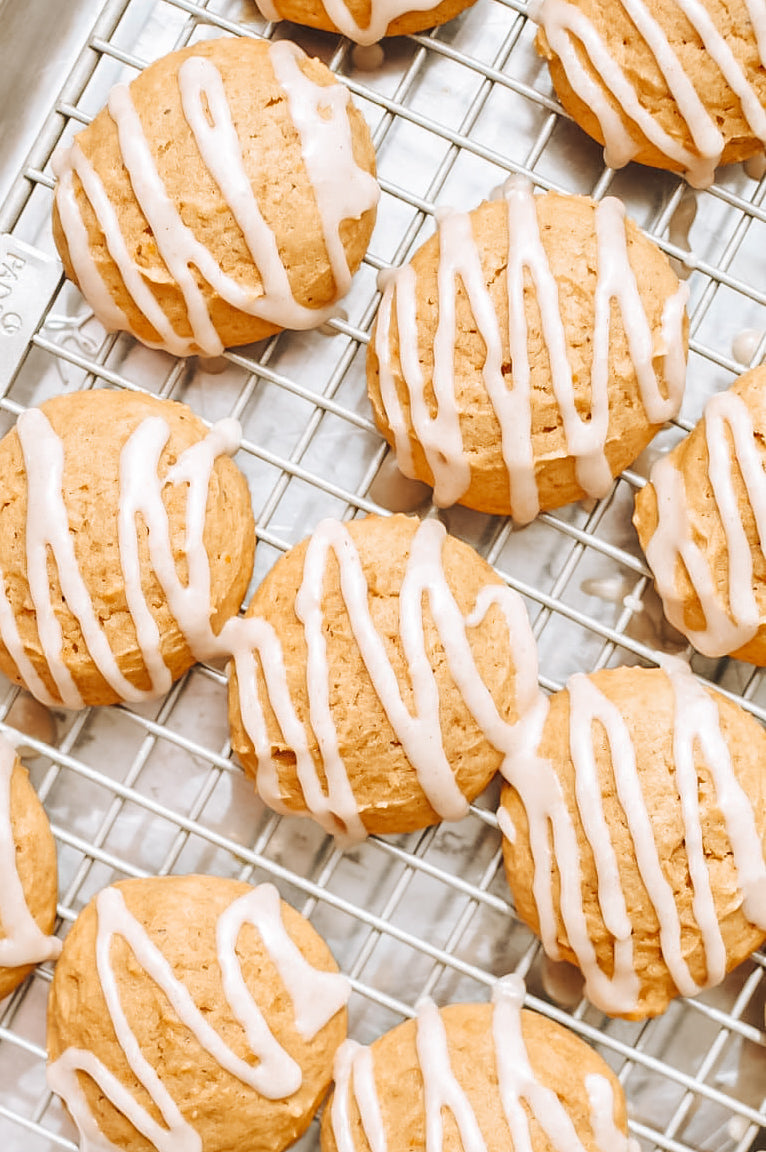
(566, 28)
(316, 996)
(342, 190)
(518, 1086)
(420, 733)
(141, 488)
(440, 435)
(552, 831)
(733, 619)
(22, 941)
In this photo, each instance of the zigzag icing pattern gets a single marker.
(552, 833)
(521, 1093)
(316, 997)
(419, 732)
(440, 435)
(341, 188)
(47, 530)
(567, 28)
(731, 621)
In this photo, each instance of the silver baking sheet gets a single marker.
(152, 789)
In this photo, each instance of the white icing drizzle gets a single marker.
(419, 732)
(9, 632)
(342, 191)
(65, 165)
(47, 531)
(398, 289)
(521, 1092)
(517, 1081)
(731, 619)
(601, 1098)
(757, 13)
(368, 57)
(22, 941)
(567, 28)
(696, 726)
(440, 435)
(441, 1088)
(354, 1070)
(316, 996)
(745, 344)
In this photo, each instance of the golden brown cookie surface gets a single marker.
(528, 353)
(170, 218)
(673, 85)
(510, 1078)
(393, 661)
(99, 608)
(698, 522)
(649, 789)
(244, 1050)
(28, 877)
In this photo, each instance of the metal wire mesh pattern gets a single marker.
(151, 788)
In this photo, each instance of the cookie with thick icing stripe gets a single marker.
(489, 1077)
(28, 876)
(193, 1012)
(126, 544)
(701, 521)
(528, 352)
(676, 84)
(634, 822)
(226, 193)
(377, 677)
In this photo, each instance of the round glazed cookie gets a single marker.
(676, 84)
(379, 674)
(28, 876)
(226, 193)
(701, 521)
(364, 21)
(196, 1009)
(471, 1076)
(126, 543)
(528, 353)
(634, 826)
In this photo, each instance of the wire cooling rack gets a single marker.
(151, 789)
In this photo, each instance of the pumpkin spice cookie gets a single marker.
(378, 676)
(364, 21)
(28, 877)
(496, 1077)
(193, 1010)
(701, 521)
(528, 353)
(226, 193)
(676, 84)
(634, 823)
(126, 543)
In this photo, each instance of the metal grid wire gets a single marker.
(151, 789)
